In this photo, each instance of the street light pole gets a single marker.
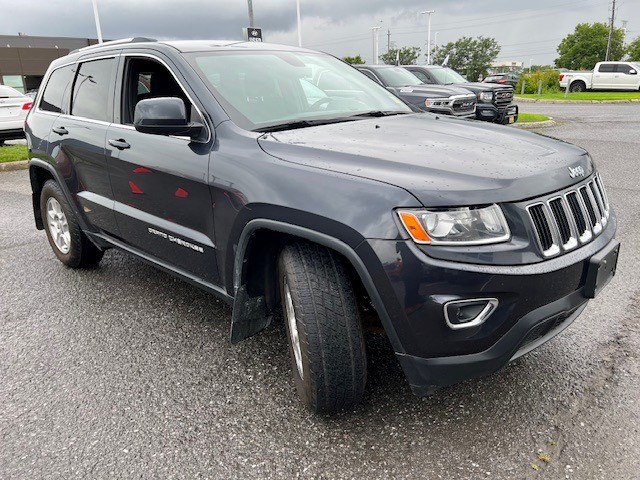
(97, 18)
(250, 8)
(299, 27)
(374, 31)
(428, 12)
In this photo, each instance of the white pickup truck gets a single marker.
(606, 76)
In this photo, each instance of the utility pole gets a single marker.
(613, 17)
(374, 31)
(388, 39)
(299, 27)
(250, 7)
(97, 19)
(428, 12)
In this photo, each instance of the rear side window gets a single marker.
(606, 68)
(56, 92)
(91, 89)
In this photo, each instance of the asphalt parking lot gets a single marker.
(125, 372)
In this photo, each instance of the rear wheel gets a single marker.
(323, 326)
(578, 86)
(71, 246)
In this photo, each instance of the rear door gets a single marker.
(603, 77)
(160, 183)
(626, 77)
(77, 139)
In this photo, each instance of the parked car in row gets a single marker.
(606, 76)
(467, 243)
(431, 98)
(502, 79)
(14, 107)
(495, 102)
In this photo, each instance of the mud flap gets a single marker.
(250, 315)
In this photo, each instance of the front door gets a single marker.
(162, 200)
(626, 77)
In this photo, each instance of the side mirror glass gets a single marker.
(633, 72)
(165, 116)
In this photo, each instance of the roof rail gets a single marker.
(115, 42)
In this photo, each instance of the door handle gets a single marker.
(120, 144)
(60, 130)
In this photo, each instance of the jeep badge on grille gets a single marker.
(576, 171)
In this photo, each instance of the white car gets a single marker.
(606, 76)
(14, 107)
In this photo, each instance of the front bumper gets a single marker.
(536, 302)
(490, 113)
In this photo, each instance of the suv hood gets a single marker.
(440, 160)
(430, 91)
(477, 87)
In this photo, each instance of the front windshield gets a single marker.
(398, 77)
(262, 89)
(446, 76)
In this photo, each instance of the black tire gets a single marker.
(332, 348)
(578, 86)
(81, 253)
(1, 143)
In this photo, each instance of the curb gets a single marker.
(11, 166)
(539, 100)
(535, 125)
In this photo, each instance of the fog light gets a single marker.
(469, 313)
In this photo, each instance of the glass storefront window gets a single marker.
(14, 81)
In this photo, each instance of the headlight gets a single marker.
(456, 226)
(436, 102)
(485, 96)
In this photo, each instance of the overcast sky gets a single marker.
(528, 32)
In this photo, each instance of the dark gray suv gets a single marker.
(235, 167)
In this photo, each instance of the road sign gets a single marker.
(252, 34)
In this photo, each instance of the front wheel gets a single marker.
(71, 246)
(323, 326)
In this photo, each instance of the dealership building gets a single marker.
(24, 59)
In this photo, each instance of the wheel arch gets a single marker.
(255, 266)
(39, 173)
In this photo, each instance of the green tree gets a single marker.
(587, 45)
(471, 57)
(357, 60)
(408, 55)
(634, 50)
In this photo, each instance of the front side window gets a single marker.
(91, 89)
(624, 68)
(262, 89)
(56, 92)
(145, 78)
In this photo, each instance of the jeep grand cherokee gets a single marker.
(472, 242)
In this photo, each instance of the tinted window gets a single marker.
(606, 67)
(622, 68)
(57, 90)
(91, 89)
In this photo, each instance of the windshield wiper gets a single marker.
(379, 113)
(301, 124)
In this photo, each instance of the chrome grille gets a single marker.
(570, 218)
(503, 97)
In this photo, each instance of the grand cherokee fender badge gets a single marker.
(576, 171)
(179, 241)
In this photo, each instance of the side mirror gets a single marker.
(633, 72)
(164, 116)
